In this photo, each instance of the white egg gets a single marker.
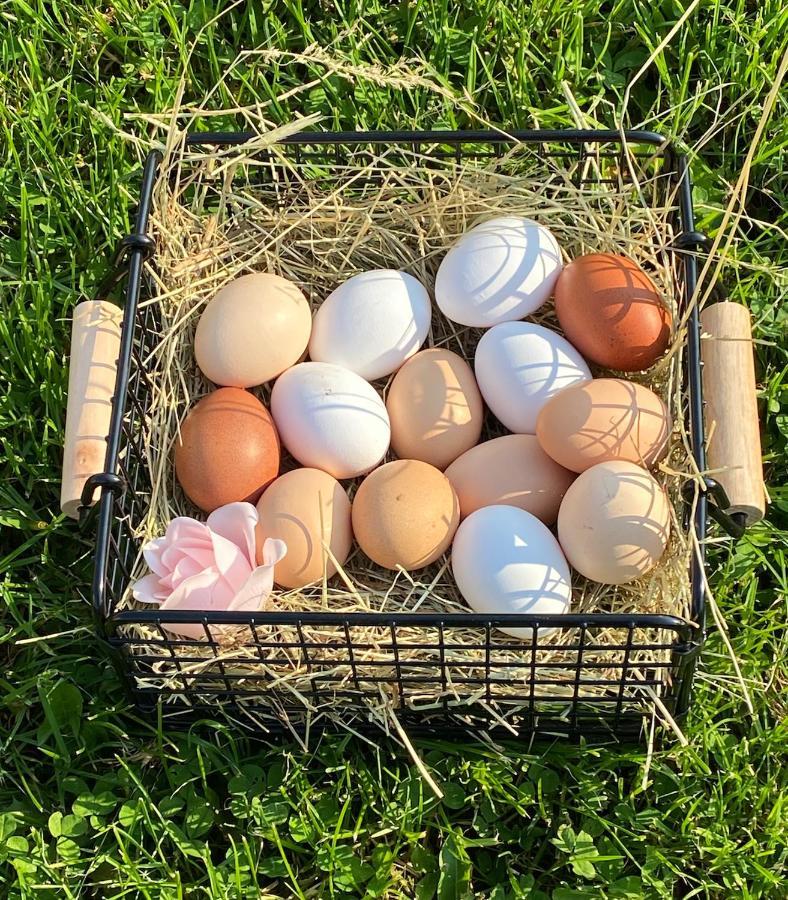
(372, 323)
(505, 560)
(520, 366)
(331, 419)
(499, 271)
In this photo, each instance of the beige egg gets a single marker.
(512, 470)
(435, 408)
(252, 330)
(614, 522)
(405, 514)
(602, 420)
(308, 510)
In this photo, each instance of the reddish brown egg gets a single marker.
(612, 312)
(228, 449)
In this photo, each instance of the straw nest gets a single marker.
(318, 218)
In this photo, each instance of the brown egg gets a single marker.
(612, 312)
(228, 449)
(614, 522)
(601, 420)
(512, 470)
(405, 514)
(435, 408)
(308, 510)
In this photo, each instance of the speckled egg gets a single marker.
(611, 310)
(405, 514)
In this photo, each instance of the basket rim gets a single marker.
(692, 629)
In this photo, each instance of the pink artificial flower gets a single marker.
(209, 566)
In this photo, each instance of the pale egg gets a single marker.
(331, 419)
(614, 522)
(252, 330)
(372, 323)
(505, 560)
(499, 271)
(435, 408)
(520, 366)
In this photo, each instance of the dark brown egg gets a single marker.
(612, 312)
(228, 449)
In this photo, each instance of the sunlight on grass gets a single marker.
(94, 802)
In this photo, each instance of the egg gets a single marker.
(308, 510)
(601, 420)
(512, 470)
(372, 323)
(520, 366)
(227, 450)
(405, 514)
(331, 419)
(612, 312)
(505, 560)
(252, 330)
(499, 271)
(614, 522)
(435, 408)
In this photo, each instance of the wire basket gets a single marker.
(446, 687)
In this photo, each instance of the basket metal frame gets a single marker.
(569, 715)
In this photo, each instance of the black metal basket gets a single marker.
(663, 649)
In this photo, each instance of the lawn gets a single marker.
(96, 803)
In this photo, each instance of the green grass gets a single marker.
(97, 804)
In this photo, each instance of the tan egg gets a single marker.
(614, 522)
(512, 470)
(308, 510)
(405, 514)
(254, 328)
(435, 408)
(601, 420)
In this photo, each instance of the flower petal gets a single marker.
(204, 591)
(274, 551)
(152, 553)
(231, 562)
(253, 596)
(149, 590)
(236, 522)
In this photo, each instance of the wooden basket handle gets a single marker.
(732, 428)
(95, 345)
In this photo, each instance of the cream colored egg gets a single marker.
(614, 522)
(512, 470)
(310, 511)
(252, 330)
(435, 408)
